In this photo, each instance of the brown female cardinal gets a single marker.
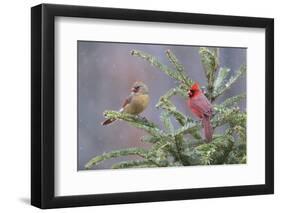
(201, 107)
(135, 103)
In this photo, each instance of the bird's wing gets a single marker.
(126, 102)
(203, 105)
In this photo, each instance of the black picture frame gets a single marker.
(43, 105)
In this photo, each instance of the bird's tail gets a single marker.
(107, 121)
(208, 129)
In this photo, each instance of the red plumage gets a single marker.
(201, 107)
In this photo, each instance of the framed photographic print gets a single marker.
(139, 106)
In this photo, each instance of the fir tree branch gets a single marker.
(150, 139)
(210, 62)
(189, 127)
(218, 151)
(173, 59)
(156, 63)
(231, 81)
(171, 108)
(179, 67)
(165, 118)
(172, 92)
(115, 154)
(134, 164)
(233, 100)
(179, 143)
(226, 145)
(220, 79)
(165, 103)
(222, 117)
(136, 121)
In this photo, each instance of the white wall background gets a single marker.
(15, 105)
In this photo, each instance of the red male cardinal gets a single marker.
(135, 103)
(201, 107)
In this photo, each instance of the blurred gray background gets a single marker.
(106, 72)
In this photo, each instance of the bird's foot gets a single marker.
(142, 118)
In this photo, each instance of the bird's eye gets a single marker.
(135, 89)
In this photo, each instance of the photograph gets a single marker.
(134, 105)
(160, 105)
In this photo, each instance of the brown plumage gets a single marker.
(135, 103)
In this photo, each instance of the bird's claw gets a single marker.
(142, 118)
